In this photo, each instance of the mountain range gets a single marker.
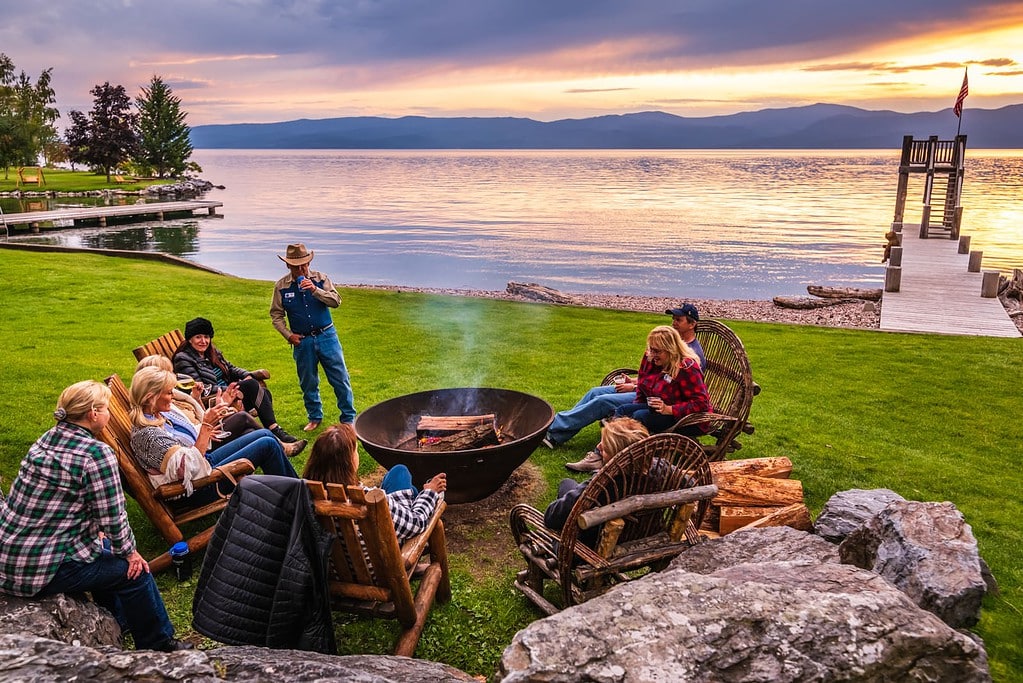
(818, 126)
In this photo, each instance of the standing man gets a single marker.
(306, 297)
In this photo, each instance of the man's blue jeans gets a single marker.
(260, 447)
(324, 349)
(135, 603)
(595, 405)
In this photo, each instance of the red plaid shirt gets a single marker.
(685, 393)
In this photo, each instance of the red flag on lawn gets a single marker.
(963, 92)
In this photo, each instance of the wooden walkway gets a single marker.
(72, 216)
(939, 295)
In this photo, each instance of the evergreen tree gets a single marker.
(112, 138)
(164, 145)
(77, 138)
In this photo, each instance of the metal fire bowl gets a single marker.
(387, 431)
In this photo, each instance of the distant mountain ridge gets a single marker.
(818, 126)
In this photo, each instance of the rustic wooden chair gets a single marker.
(164, 345)
(167, 514)
(371, 574)
(648, 502)
(730, 385)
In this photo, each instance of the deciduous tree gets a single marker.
(112, 125)
(164, 145)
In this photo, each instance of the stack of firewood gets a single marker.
(755, 492)
(457, 432)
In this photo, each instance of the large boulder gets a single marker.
(30, 658)
(59, 617)
(928, 551)
(775, 621)
(846, 511)
(755, 545)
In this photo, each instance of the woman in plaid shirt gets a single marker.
(65, 527)
(334, 459)
(670, 384)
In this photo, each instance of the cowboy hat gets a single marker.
(296, 255)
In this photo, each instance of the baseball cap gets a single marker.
(687, 310)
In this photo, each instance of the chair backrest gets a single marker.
(662, 462)
(117, 435)
(728, 377)
(164, 345)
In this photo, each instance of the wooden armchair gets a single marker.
(648, 502)
(370, 573)
(159, 504)
(164, 345)
(730, 385)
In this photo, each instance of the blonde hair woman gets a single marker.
(65, 527)
(615, 436)
(670, 384)
(172, 449)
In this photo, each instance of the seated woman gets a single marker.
(670, 385)
(334, 459)
(65, 525)
(172, 449)
(189, 405)
(198, 358)
(615, 435)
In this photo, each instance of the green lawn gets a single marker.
(63, 180)
(931, 417)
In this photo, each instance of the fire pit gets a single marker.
(388, 433)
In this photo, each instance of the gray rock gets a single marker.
(59, 617)
(797, 622)
(928, 551)
(848, 510)
(755, 545)
(30, 658)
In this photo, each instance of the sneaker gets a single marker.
(294, 448)
(282, 435)
(591, 463)
(547, 442)
(174, 645)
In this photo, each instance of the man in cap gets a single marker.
(684, 319)
(599, 402)
(306, 296)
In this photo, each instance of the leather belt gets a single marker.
(318, 330)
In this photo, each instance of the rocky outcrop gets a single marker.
(770, 621)
(928, 551)
(770, 544)
(59, 617)
(848, 510)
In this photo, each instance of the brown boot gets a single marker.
(294, 448)
(591, 463)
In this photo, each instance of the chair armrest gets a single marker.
(236, 470)
(647, 501)
(609, 378)
(700, 418)
(412, 549)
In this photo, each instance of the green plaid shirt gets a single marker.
(67, 491)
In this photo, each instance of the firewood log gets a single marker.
(752, 491)
(776, 468)
(734, 517)
(476, 437)
(796, 516)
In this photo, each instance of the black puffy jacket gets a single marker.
(264, 579)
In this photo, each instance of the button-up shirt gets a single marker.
(685, 392)
(67, 491)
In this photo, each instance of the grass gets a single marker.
(63, 180)
(931, 417)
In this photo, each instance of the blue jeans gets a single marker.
(260, 447)
(324, 349)
(398, 478)
(595, 405)
(135, 603)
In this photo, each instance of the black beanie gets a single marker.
(198, 326)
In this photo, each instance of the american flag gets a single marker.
(963, 92)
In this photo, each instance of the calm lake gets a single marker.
(703, 224)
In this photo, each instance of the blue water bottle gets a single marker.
(181, 561)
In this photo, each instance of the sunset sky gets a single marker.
(233, 61)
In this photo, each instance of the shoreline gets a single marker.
(847, 315)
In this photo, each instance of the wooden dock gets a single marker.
(938, 294)
(73, 216)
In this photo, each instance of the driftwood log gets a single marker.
(539, 293)
(805, 303)
(844, 292)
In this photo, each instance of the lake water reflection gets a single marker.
(714, 224)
